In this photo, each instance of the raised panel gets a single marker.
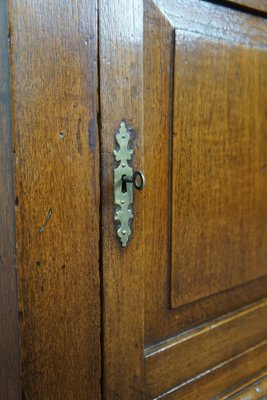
(219, 159)
(205, 125)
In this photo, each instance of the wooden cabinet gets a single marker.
(181, 312)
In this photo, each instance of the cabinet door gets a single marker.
(200, 228)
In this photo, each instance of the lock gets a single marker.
(125, 180)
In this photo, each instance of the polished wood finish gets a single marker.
(253, 388)
(259, 5)
(53, 49)
(184, 305)
(159, 77)
(9, 341)
(255, 391)
(158, 53)
(219, 157)
(214, 382)
(203, 348)
(227, 23)
(121, 77)
(205, 231)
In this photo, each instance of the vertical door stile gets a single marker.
(121, 99)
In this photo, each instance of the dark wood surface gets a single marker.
(159, 45)
(203, 325)
(55, 104)
(204, 348)
(205, 155)
(121, 94)
(259, 5)
(253, 388)
(9, 340)
(219, 158)
(215, 382)
(213, 351)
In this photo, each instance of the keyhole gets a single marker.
(123, 185)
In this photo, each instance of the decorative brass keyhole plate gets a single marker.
(123, 193)
(125, 179)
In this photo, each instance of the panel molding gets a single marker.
(255, 387)
(212, 343)
(214, 20)
(214, 383)
(160, 320)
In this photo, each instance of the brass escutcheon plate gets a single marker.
(123, 193)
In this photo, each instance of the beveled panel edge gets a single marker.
(247, 5)
(181, 337)
(256, 386)
(229, 28)
(240, 330)
(215, 382)
(215, 20)
(168, 317)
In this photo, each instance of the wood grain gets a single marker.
(203, 348)
(213, 384)
(253, 388)
(121, 95)
(9, 341)
(260, 5)
(214, 20)
(158, 56)
(160, 321)
(219, 184)
(172, 103)
(255, 391)
(54, 89)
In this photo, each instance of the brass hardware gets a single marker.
(125, 179)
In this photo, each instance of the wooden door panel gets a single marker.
(219, 158)
(206, 245)
(199, 232)
(220, 131)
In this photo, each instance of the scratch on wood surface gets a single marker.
(49, 214)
